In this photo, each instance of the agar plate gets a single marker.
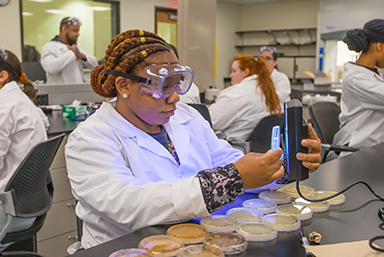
(306, 191)
(190, 233)
(162, 245)
(299, 211)
(228, 243)
(265, 206)
(132, 252)
(340, 199)
(219, 223)
(315, 206)
(277, 196)
(282, 222)
(200, 251)
(245, 214)
(257, 231)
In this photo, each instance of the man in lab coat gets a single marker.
(62, 58)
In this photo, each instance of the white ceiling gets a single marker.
(256, 1)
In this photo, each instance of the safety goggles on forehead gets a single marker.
(73, 21)
(160, 80)
(3, 53)
(268, 48)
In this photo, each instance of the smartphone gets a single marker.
(275, 138)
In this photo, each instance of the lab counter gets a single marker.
(354, 220)
(64, 94)
(60, 124)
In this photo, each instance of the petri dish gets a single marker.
(162, 245)
(282, 222)
(265, 206)
(257, 231)
(340, 199)
(228, 243)
(306, 191)
(277, 196)
(190, 233)
(219, 223)
(315, 206)
(244, 215)
(301, 212)
(200, 251)
(132, 252)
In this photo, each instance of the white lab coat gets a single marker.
(192, 96)
(282, 85)
(61, 65)
(21, 128)
(124, 179)
(362, 108)
(238, 109)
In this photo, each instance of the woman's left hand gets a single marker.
(312, 159)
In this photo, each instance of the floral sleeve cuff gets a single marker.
(220, 186)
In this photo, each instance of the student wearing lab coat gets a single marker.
(62, 58)
(280, 80)
(240, 107)
(21, 127)
(147, 159)
(362, 98)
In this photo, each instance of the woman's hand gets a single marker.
(257, 170)
(312, 159)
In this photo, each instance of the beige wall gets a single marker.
(10, 36)
(228, 20)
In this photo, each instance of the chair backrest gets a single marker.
(31, 188)
(325, 119)
(296, 94)
(260, 138)
(203, 110)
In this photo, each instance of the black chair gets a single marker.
(260, 138)
(296, 94)
(325, 119)
(203, 110)
(28, 194)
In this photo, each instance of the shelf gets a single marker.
(272, 30)
(258, 45)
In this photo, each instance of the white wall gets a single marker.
(345, 15)
(228, 20)
(10, 36)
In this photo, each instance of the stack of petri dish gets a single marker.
(228, 243)
(257, 231)
(162, 245)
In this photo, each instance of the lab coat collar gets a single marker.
(354, 67)
(250, 78)
(176, 128)
(10, 87)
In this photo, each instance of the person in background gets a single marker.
(193, 95)
(240, 107)
(362, 97)
(279, 79)
(146, 159)
(21, 127)
(62, 58)
(31, 92)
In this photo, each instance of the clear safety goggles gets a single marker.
(160, 80)
(72, 21)
(268, 48)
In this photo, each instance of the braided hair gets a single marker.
(126, 53)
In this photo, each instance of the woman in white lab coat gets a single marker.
(147, 159)
(280, 80)
(252, 96)
(362, 98)
(21, 127)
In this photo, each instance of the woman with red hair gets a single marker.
(252, 96)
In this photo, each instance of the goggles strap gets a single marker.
(128, 76)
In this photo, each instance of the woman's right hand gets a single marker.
(257, 170)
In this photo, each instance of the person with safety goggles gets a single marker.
(147, 159)
(62, 58)
(279, 79)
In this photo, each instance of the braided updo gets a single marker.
(124, 53)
